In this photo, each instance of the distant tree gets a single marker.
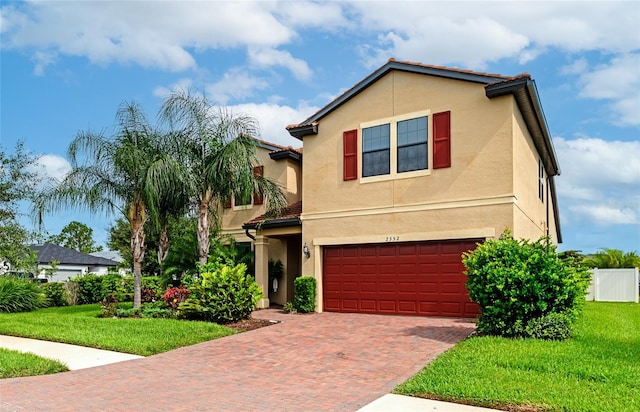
(15, 253)
(18, 183)
(17, 180)
(613, 258)
(76, 236)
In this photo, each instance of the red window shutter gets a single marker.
(350, 153)
(441, 140)
(258, 197)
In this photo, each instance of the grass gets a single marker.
(14, 364)
(80, 325)
(597, 370)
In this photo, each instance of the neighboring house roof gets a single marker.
(65, 256)
(114, 255)
(289, 216)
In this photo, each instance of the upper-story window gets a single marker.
(376, 150)
(540, 180)
(242, 200)
(398, 147)
(412, 144)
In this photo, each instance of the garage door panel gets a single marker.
(407, 287)
(417, 278)
(388, 306)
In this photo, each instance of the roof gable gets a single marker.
(309, 125)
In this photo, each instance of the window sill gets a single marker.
(395, 176)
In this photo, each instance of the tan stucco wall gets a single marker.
(286, 172)
(481, 146)
(531, 213)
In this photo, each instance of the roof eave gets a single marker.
(303, 130)
(285, 154)
(274, 223)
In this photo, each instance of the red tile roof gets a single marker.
(290, 212)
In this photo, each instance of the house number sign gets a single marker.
(392, 238)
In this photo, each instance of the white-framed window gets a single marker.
(540, 180)
(395, 147)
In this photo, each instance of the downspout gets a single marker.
(547, 206)
(250, 236)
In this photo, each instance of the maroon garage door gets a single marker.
(416, 278)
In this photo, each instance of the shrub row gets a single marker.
(91, 288)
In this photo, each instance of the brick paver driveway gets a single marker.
(314, 362)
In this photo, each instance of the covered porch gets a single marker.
(279, 240)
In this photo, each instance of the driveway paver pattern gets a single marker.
(312, 362)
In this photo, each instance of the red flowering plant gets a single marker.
(174, 296)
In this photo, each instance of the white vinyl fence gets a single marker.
(614, 285)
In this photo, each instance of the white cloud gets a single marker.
(600, 181)
(180, 85)
(607, 214)
(237, 83)
(475, 33)
(266, 58)
(579, 66)
(50, 166)
(151, 34)
(273, 119)
(618, 82)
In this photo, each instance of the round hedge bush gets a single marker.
(517, 281)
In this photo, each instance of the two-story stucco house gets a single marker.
(403, 173)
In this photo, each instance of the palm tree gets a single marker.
(173, 199)
(124, 172)
(613, 258)
(218, 151)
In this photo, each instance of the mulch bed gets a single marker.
(245, 325)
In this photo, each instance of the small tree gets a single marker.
(517, 282)
(77, 236)
(613, 258)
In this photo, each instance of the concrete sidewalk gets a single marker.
(75, 357)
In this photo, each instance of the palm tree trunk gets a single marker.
(163, 245)
(203, 228)
(137, 250)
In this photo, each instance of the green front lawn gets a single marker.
(14, 364)
(80, 325)
(597, 370)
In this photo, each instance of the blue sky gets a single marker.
(67, 65)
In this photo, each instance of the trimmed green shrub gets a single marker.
(112, 285)
(221, 294)
(55, 293)
(515, 282)
(554, 326)
(19, 295)
(89, 288)
(152, 283)
(304, 294)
